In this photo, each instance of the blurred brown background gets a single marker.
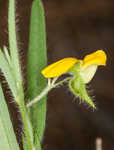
(74, 28)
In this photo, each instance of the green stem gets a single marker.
(17, 69)
(42, 94)
(46, 90)
(62, 81)
(26, 127)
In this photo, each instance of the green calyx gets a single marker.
(78, 87)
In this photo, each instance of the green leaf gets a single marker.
(13, 41)
(7, 136)
(7, 55)
(7, 71)
(12, 72)
(37, 60)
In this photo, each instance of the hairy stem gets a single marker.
(46, 90)
(42, 94)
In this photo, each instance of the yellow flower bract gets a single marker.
(60, 67)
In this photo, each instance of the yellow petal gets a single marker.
(59, 67)
(97, 58)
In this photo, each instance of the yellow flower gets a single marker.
(82, 72)
(88, 66)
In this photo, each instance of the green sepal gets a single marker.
(75, 69)
(78, 88)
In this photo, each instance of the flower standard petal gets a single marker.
(59, 67)
(97, 58)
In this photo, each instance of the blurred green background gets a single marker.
(74, 29)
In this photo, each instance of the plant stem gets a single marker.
(42, 94)
(62, 81)
(16, 70)
(46, 90)
(26, 127)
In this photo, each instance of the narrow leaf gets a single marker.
(13, 40)
(7, 136)
(6, 69)
(37, 60)
(7, 55)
